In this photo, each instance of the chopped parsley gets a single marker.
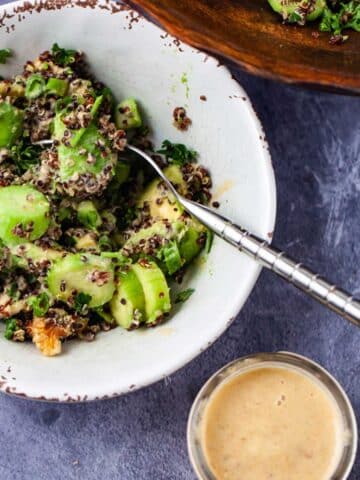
(334, 16)
(39, 304)
(177, 153)
(129, 215)
(348, 17)
(5, 53)
(209, 241)
(10, 328)
(63, 56)
(25, 155)
(13, 291)
(81, 300)
(181, 297)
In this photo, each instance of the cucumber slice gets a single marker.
(128, 304)
(156, 290)
(127, 115)
(185, 233)
(11, 121)
(26, 255)
(287, 9)
(82, 273)
(24, 214)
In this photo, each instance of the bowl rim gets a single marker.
(269, 223)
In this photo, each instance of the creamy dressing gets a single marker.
(272, 423)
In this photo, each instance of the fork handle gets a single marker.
(270, 257)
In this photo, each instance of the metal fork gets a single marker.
(260, 250)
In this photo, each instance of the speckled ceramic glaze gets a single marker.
(135, 58)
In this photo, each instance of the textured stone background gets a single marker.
(315, 145)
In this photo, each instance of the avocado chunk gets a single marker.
(156, 290)
(82, 273)
(24, 214)
(86, 242)
(160, 201)
(290, 9)
(127, 115)
(88, 215)
(11, 122)
(128, 304)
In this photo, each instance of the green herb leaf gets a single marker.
(348, 17)
(129, 215)
(104, 243)
(25, 155)
(5, 53)
(177, 153)
(10, 328)
(39, 304)
(181, 297)
(81, 299)
(13, 291)
(209, 241)
(63, 56)
(351, 15)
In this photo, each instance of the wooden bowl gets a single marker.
(249, 33)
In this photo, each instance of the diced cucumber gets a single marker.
(288, 8)
(88, 215)
(35, 86)
(128, 304)
(11, 122)
(24, 214)
(190, 245)
(57, 86)
(86, 157)
(156, 290)
(127, 114)
(82, 273)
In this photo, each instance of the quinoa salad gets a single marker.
(337, 17)
(89, 238)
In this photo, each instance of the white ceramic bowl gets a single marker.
(136, 58)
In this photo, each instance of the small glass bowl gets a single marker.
(279, 359)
